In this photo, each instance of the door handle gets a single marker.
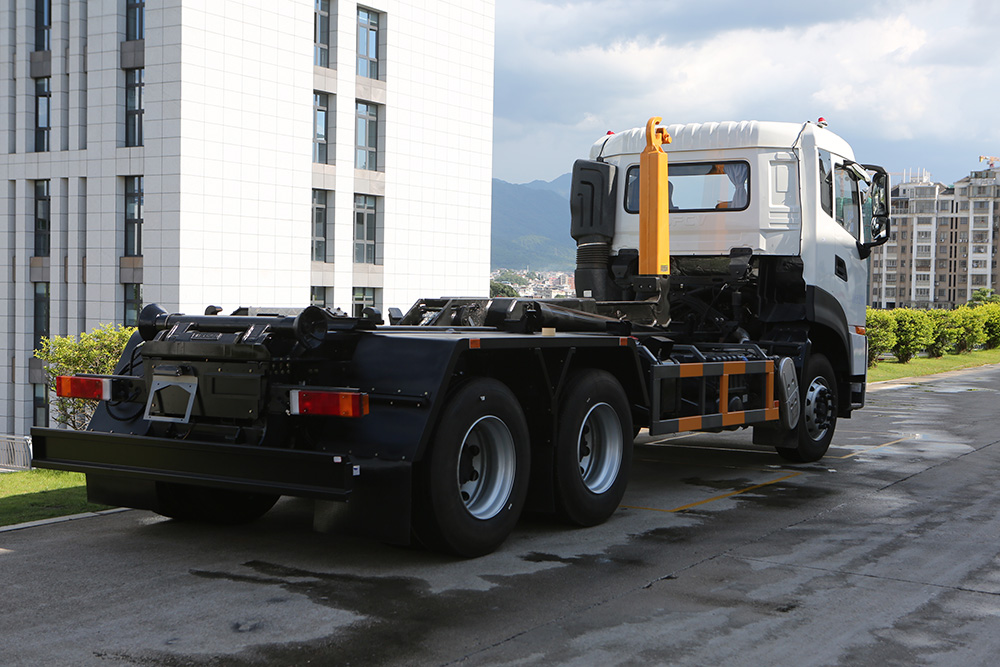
(840, 267)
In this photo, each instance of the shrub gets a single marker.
(969, 323)
(95, 352)
(991, 324)
(881, 328)
(944, 332)
(913, 333)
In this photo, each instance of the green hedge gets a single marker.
(881, 331)
(907, 332)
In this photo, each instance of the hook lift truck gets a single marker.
(747, 310)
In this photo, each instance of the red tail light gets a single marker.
(328, 403)
(71, 386)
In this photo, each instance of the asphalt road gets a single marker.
(884, 553)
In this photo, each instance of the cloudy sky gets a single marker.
(910, 84)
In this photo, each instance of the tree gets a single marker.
(508, 276)
(499, 289)
(913, 333)
(95, 353)
(983, 295)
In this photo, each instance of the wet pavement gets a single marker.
(885, 552)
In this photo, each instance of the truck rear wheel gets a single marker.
(201, 503)
(818, 392)
(593, 448)
(470, 488)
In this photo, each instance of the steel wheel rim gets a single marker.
(818, 408)
(599, 448)
(486, 464)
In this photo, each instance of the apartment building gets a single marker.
(943, 244)
(235, 153)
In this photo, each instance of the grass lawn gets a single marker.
(42, 494)
(892, 370)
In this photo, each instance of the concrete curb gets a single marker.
(61, 519)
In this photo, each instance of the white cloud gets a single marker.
(902, 72)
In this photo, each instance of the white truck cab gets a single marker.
(770, 226)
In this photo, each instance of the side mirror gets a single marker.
(876, 211)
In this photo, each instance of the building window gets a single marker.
(365, 229)
(41, 315)
(43, 219)
(134, 106)
(133, 216)
(133, 304)
(43, 25)
(368, 24)
(43, 116)
(321, 128)
(40, 405)
(321, 53)
(321, 239)
(135, 19)
(317, 296)
(367, 137)
(365, 297)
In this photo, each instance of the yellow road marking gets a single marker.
(872, 449)
(714, 498)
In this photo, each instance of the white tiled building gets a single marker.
(943, 244)
(236, 153)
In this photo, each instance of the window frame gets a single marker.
(369, 39)
(43, 218)
(131, 303)
(43, 25)
(321, 142)
(322, 243)
(135, 106)
(42, 312)
(43, 121)
(321, 33)
(631, 205)
(134, 201)
(362, 297)
(366, 151)
(135, 20)
(365, 236)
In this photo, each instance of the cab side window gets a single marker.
(847, 201)
(826, 182)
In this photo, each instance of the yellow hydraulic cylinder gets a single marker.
(654, 203)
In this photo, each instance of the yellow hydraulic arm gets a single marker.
(654, 203)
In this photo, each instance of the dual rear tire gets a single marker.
(470, 489)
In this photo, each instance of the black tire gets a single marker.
(470, 488)
(593, 448)
(221, 506)
(818, 394)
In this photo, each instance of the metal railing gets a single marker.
(15, 452)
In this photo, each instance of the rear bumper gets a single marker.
(254, 469)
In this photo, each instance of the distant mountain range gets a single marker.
(531, 226)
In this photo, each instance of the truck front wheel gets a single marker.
(593, 448)
(470, 488)
(818, 393)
